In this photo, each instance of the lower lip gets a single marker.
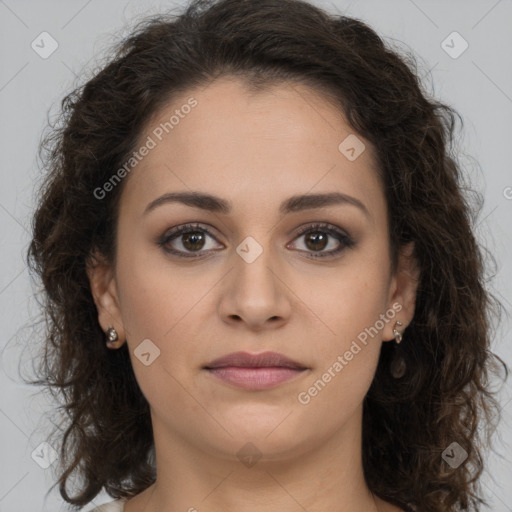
(255, 378)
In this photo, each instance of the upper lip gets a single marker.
(245, 359)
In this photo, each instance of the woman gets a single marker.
(263, 288)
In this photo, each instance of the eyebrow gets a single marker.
(296, 203)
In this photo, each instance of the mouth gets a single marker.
(255, 371)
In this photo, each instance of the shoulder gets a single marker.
(112, 506)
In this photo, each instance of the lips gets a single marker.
(255, 372)
(246, 360)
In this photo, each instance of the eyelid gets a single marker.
(341, 235)
(175, 233)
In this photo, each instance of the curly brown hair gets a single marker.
(444, 395)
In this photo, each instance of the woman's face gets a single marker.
(245, 278)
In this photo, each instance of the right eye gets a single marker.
(191, 237)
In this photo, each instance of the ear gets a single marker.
(104, 292)
(402, 291)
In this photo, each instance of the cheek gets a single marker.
(346, 361)
(165, 306)
(352, 308)
(352, 297)
(142, 303)
(151, 297)
(154, 310)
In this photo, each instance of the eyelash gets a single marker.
(345, 240)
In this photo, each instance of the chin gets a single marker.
(271, 434)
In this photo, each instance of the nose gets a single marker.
(255, 295)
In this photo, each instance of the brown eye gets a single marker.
(193, 241)
(317, 241)
(318, 237)
(187, 240)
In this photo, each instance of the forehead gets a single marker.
(232, 142)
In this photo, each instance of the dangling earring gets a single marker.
(112, 337)
(398, 365)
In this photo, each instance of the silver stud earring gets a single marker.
(112, 334)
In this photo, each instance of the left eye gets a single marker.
(316, 240)
(192, 239)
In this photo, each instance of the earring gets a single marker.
(112, 337)
(398, 335)
(112, 334)
(398, 365)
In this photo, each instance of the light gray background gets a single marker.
(478, 84)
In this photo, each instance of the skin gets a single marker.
(254, 150)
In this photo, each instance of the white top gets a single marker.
(112, 506)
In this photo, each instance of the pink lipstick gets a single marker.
(255, 371)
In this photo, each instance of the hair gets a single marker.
(444, 395)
